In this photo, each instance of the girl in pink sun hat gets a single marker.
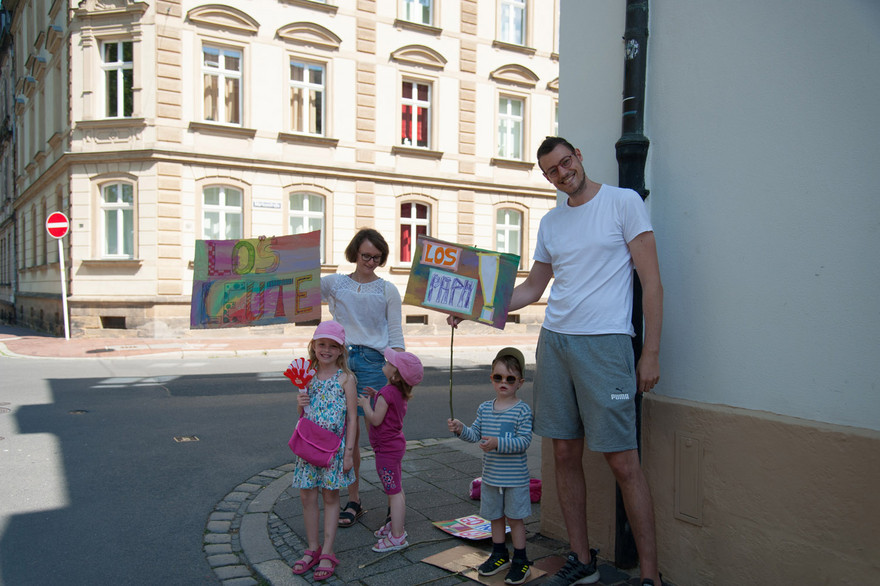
(384, 411)
(330, 400)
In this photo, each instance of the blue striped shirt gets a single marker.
(505, 466)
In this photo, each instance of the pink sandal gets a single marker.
(322, 573)
(391, 543)
(383, 531)
(301, 566)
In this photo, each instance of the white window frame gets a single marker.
(114, 75)
(223, 75)
(555, 117)
(507, 233)
(413, 221)
(303, 216)
(413, 11)
(223, 210)
(308, 88)
(124, 214)
(416, 105)
(508, 11)
(508, 123)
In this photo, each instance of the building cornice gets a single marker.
(262, 165)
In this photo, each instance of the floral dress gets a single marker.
(327, 401)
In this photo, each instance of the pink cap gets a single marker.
(332, 330)
(408, 365)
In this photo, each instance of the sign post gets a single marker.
(57, 226)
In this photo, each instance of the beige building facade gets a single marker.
(153, 125)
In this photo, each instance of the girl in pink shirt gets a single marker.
(384, 411)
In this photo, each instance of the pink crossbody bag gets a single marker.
(313, 443)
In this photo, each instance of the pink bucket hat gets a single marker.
(408, 365)
(332, 330)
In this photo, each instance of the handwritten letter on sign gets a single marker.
(254, 282)
(461, 280)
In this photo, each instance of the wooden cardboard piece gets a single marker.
(465, 559)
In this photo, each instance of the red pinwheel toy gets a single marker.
(300, 372)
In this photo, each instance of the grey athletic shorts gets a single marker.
(513, 502)
(585, 386)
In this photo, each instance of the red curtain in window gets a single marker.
(406, 125)
(405, 241)
(422, 127)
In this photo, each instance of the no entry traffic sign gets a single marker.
(57, 225)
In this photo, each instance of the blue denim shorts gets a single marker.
(366, 363)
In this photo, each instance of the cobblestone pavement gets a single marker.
(256, 532)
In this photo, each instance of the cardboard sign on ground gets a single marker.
(465, 559)
(472, 527)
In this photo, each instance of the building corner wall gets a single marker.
(761, 498)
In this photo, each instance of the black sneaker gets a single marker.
(575, 572)
(519, 571)
(493, 565)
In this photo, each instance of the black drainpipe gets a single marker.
(632, 152)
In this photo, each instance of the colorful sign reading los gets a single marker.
(461, 280)
(256, 281)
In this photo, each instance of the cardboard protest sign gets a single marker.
(256, 281)
(463, 281)
(471, 527)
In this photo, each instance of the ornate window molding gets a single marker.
(515, 74)
(322, 6)
(90, 9)
(309, 33)
(419, 55)
(224, 18)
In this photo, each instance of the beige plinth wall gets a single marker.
(746, 497)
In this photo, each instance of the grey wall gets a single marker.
(764, 126)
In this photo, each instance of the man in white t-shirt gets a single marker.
(585, 384)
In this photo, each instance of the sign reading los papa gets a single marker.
(256, 281)
(463, 281)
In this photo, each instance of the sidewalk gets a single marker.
(256, 532)
(469, 349)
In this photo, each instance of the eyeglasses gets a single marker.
(369, 257)
(509, 379)
(553, 172)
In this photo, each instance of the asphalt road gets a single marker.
(95, 487)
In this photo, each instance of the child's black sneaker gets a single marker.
(575, 572)
(493, 565)
(519, 571)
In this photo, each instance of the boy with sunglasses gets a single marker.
(503, 429)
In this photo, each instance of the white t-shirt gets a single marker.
(369, 312)
(592, 267)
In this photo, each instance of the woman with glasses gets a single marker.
(368, 307)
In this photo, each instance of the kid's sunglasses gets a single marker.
(509, 379)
